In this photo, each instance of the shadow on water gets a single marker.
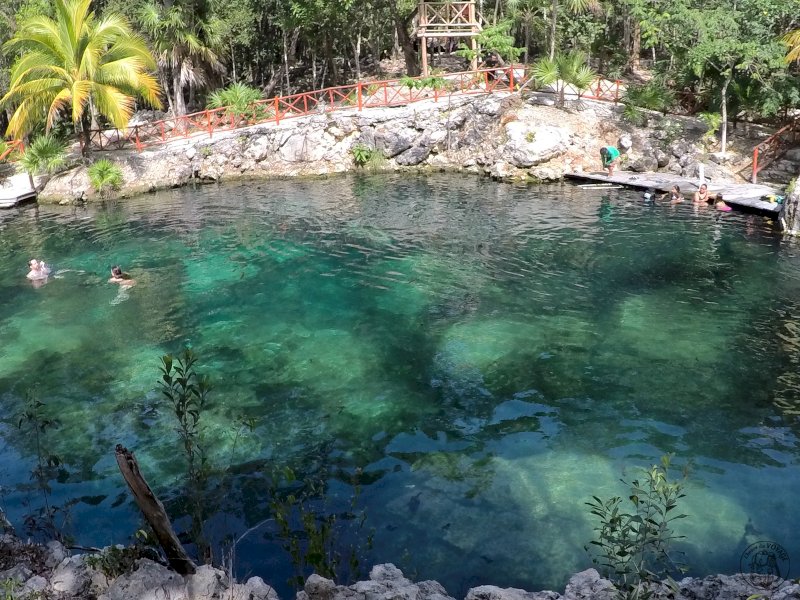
(490, 356)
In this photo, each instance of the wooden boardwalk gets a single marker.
(14, 190)
(746, 196)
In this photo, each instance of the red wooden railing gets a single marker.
(359, 96)
(11, 147)
(774, 146)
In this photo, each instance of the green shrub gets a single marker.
(46, 154)
(632, 546)
(363, 155)
(408, 81)
(105, 175)
(653, 95)
(570, 68)
(712, 121)
(240, 101)
(634, 115)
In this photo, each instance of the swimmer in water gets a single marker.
(120, 277)
(719, 204)
(38, 270)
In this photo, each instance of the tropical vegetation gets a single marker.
(77, 65)
(104, 175)
(76, 60)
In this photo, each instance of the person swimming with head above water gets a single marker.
(38, 270)
(720, 204)
(120, 277)
(701, 195)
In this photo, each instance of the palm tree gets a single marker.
(79, 64)
(565, 69)
(45, 155)
(186, 50)
(792, 39)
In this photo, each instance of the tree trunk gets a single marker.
(357, 55)
(233, 61)
(286, 62)
(180, 104)
(86, 132)
(330, 59)
(407, 44)
(723, 146)
(153, 512)
(553, 24)
(634, 62)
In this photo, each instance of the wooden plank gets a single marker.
(737, 195)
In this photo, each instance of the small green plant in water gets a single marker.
(313, 538)
(105, 175)
(187, 393)
(634, 537)
(36, 423)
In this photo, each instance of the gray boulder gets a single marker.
(207, 582)
(588, 585)
(150, 581)
(490, 592)
(644, 164)
(71, 577)
(529, 145)
(394, 141)
(413, 156)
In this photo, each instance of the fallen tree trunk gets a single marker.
(153, 512)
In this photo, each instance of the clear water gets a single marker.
(490, 355)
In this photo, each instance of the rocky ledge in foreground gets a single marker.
(37, 572)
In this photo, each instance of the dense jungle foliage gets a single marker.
(705, 55)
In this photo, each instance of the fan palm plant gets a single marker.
(46, 154)
(566, 69)
(75, 63)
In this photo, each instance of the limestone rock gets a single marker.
(34, 588)
(529, 145)
(319, 588)
(393, 141)
(643, 164)
(490, 592)
(588, 585)
(71, 577)
(413, 156)
(662, 158)
(206, 583)
(150, 581)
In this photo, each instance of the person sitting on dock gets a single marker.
(701, 195)
(719, 204)
(120, 277)
(675, 196)
(38, 270)
(610, 157)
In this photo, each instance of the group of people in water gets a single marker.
(610, 157)
(701, 196)
(40, 271)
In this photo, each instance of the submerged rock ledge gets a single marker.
(38, 572)
(497, 135)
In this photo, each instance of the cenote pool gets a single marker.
(489, 356)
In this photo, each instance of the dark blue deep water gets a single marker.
(489, 356)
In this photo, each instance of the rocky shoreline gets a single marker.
(501, 136)
(44, 572)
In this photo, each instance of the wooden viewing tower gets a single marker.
(448, 19)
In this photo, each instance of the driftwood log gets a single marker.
(154, 512)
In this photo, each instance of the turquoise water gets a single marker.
(490, 356)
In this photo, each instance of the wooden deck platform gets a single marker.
(746, 196)
(15, 189)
